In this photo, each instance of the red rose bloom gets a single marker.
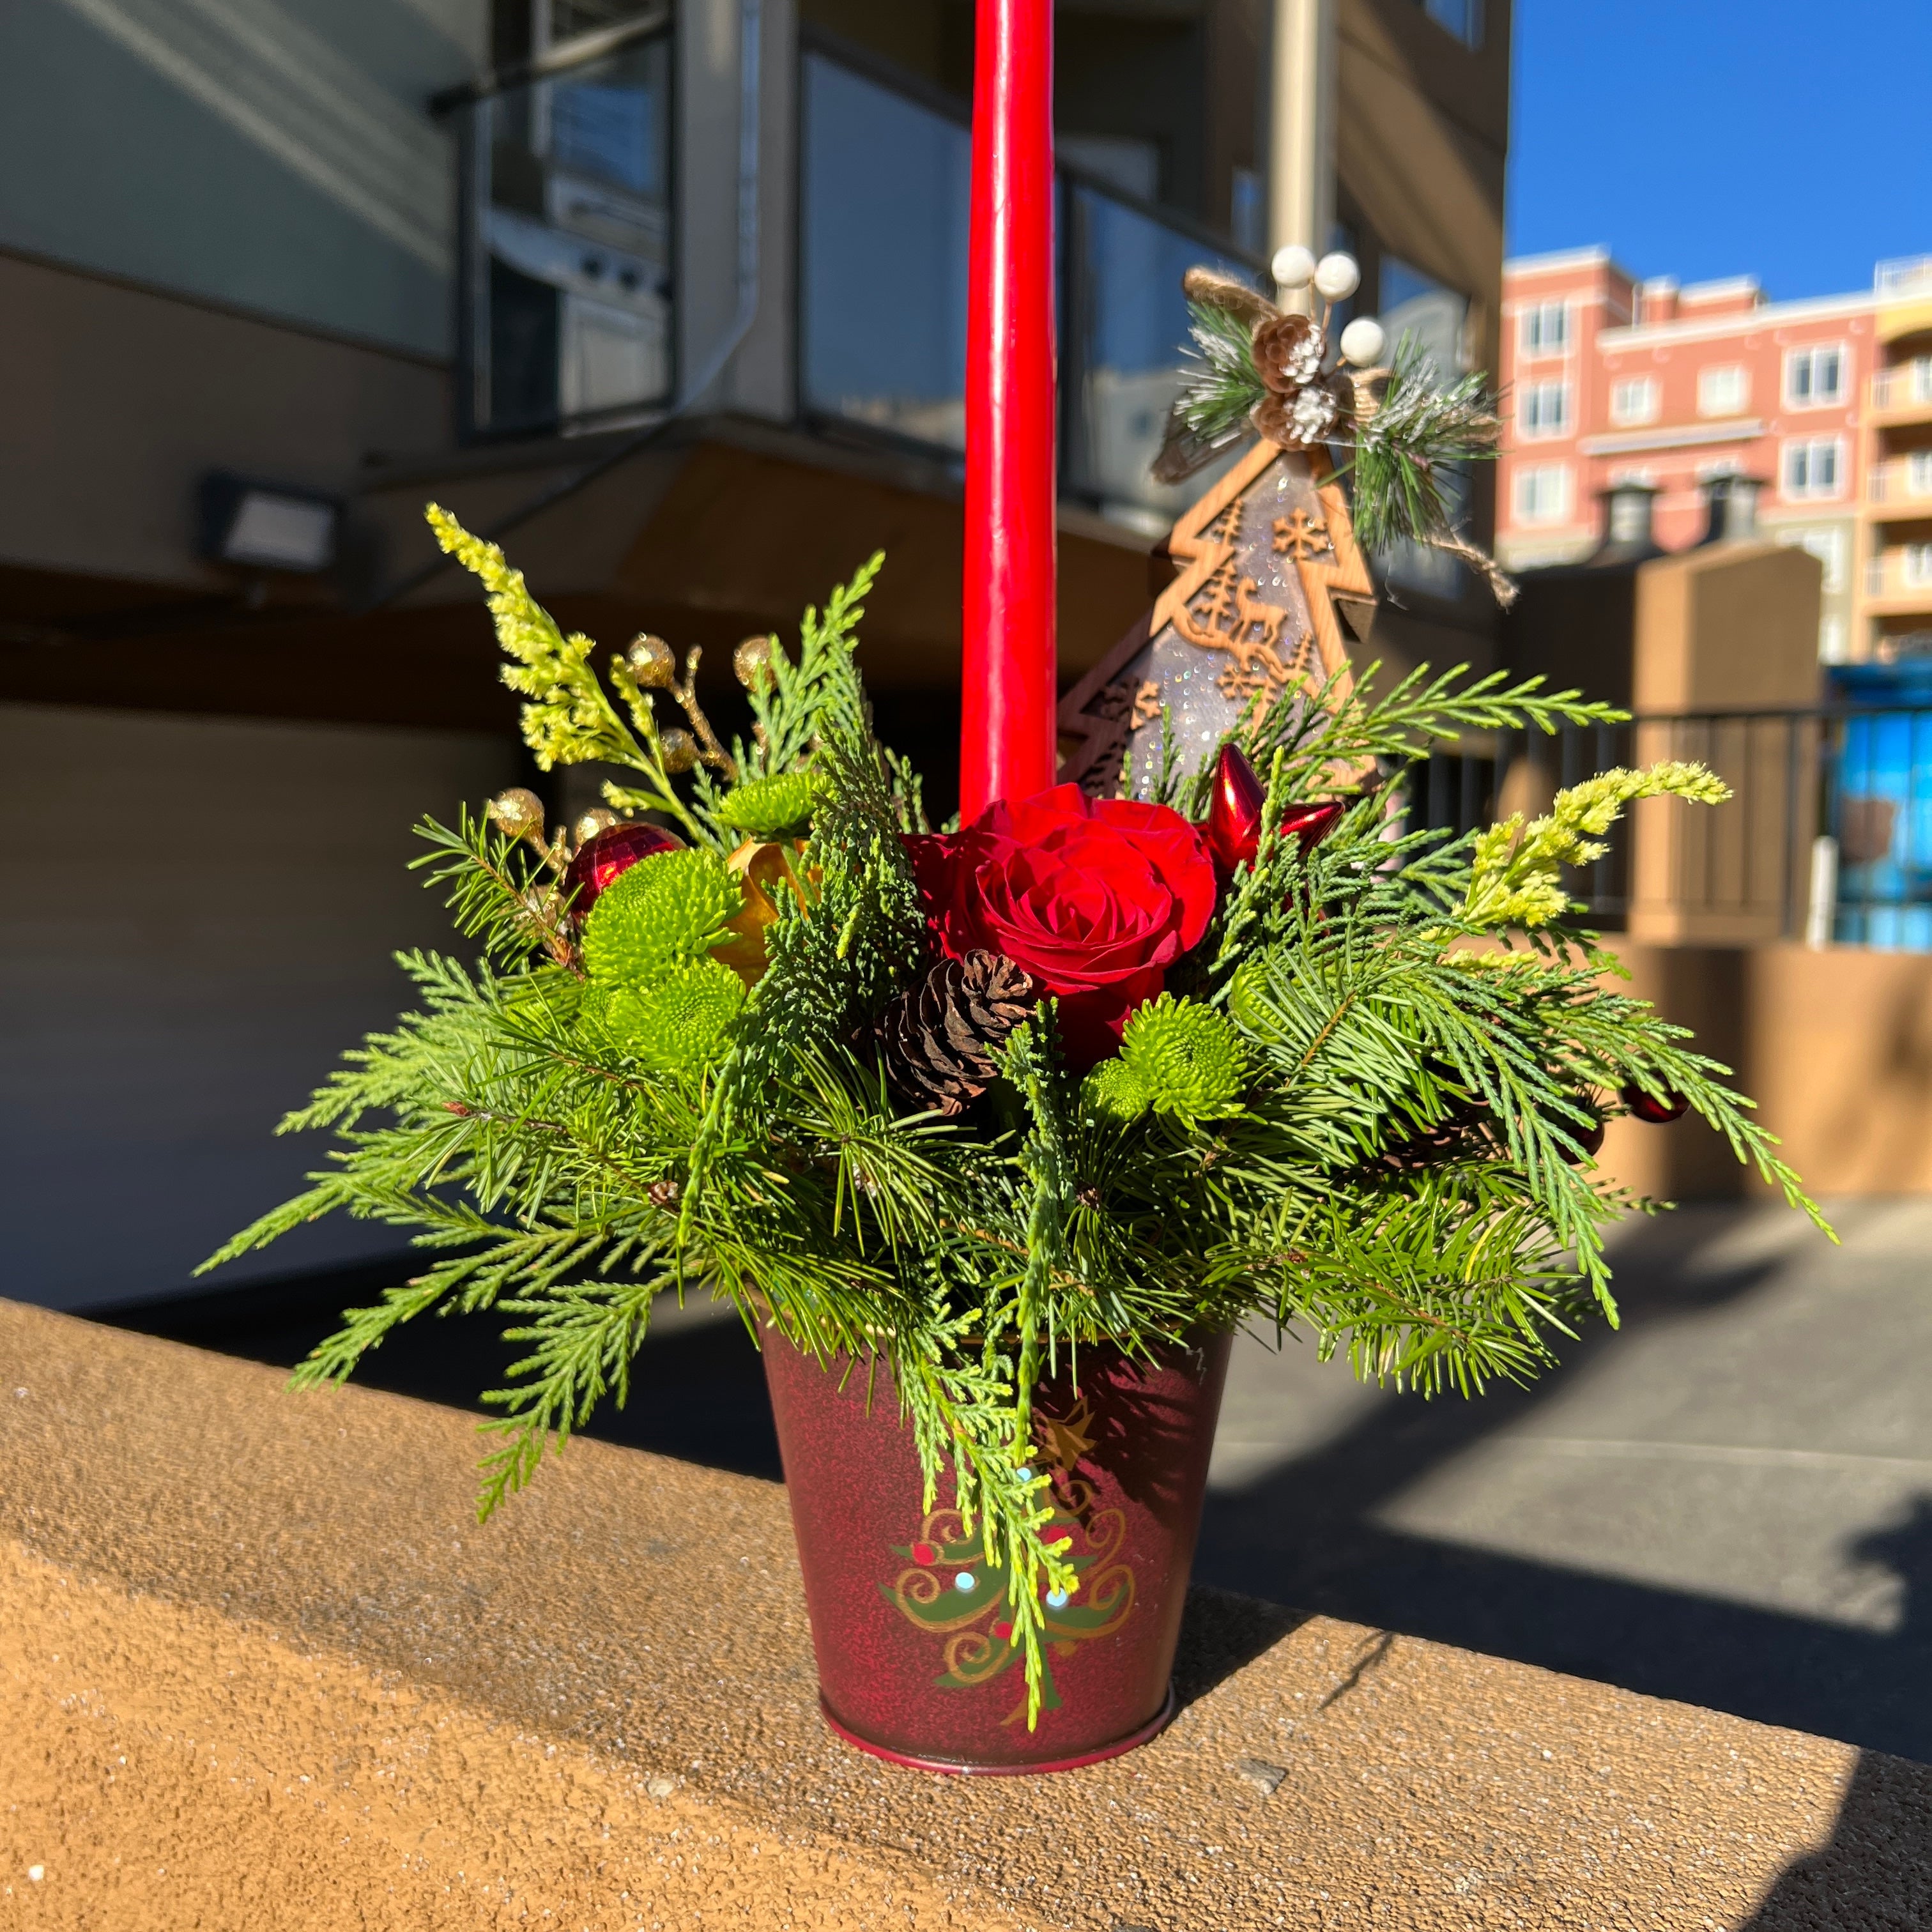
(1095, 897)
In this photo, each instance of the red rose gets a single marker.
(1095, 897)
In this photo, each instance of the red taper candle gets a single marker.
(1006, 737)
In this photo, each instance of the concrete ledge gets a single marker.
(259, 1665)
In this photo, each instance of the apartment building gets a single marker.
(1825, 405)
(670, 294)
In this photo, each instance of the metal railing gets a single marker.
(1910, 382)
(1905, 571)
(1905, 479)
(884, 195)
(1827, 837)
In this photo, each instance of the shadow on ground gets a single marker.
(1876, 1874)
(698, 1391)
(1865, 1688)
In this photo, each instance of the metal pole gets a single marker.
(1301, 141)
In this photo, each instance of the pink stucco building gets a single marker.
(1826, 403)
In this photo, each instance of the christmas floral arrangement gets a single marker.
(1088, 1070)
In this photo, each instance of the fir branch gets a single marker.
(1219, 386)
(1404, 451)
(495, 893)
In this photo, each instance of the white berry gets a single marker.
(1337, 276)
(1294, 266)
(1363, 342)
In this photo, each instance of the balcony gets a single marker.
(1903, 394)
(1901, 489)
(1898, 582)
(883, 195)
(571, 322)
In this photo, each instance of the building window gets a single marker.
(1435, 319)
(1634, 401)
(1828, 545)
(1814, 376)
(1723, 391)
(1546, 328)
(1812, 466)
(1546, 409)
(1918, 570)
(1918, 473)
(1542, 493)
(1462, 18)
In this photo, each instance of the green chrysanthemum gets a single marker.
(1112, 1091)
(681, 1022)
(764, 808)
(1248, 999)
(1178, 1057)
(667, 910)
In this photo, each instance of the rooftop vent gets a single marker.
(1732, 504)
(1629, 536)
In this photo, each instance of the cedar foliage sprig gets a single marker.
(1253, 1159)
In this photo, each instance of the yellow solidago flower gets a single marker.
(1516, 878)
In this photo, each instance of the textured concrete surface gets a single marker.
(340, 1702)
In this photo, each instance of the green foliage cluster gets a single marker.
(564, 1149)
(768, 807)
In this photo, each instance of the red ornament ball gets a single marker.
(1002, 1631)
(605, 858)
(924, 1552)
(1660, 1112)
(1589, 1139)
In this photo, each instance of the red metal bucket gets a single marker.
(915, 1660)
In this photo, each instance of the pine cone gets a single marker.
(941, 1038)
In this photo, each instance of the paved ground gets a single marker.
(1729, 1502)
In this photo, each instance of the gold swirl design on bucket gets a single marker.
(970, 1610)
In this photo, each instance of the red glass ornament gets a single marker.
(923, 1552)
(608, 855)
(1233, 828)
(1659, 1112)
(1590, 1138)
(1233, 831)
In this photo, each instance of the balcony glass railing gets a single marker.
(882, 201)
(883, 253)
(568, 310)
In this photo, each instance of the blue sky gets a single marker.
(1783, 139)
